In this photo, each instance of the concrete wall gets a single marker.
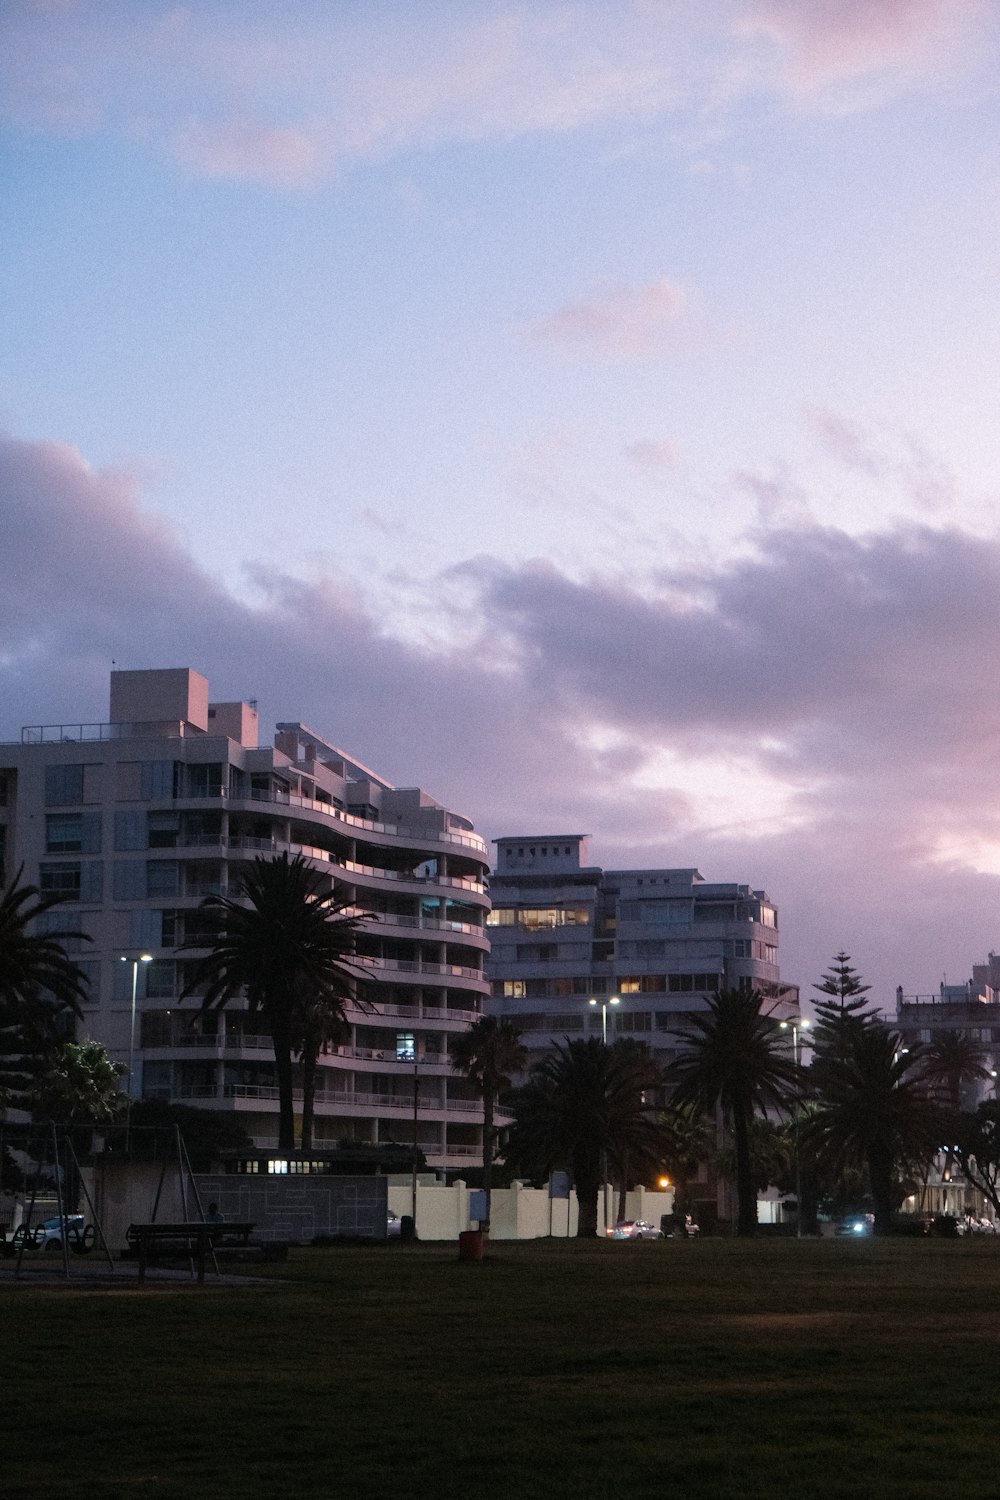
(283, 1208)
(517, 1213)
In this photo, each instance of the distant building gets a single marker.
(135, 820)
(577, 950)
(972, 1009)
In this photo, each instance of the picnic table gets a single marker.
(196, 1238)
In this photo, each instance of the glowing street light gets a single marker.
(143, 958)
(604, 1015)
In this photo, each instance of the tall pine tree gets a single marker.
(845, 1009)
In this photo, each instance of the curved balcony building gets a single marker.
(140, 818)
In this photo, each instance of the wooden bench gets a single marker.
(196, 1238)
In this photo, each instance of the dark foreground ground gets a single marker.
(554, 1369)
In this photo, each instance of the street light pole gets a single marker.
(614, 1000)
(143, 958)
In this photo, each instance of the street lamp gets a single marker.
(614, 1000)
(798, 1024)
(143, 958)
(604, 1015)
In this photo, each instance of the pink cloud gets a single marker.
(249, 151)
(654, 457)
(616, 322)
(831, 41)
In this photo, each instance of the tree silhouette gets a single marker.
(41, 988)
(874, 1110)
(489, 1054)
(584, 1100)
(733, 1058)
(286, 945)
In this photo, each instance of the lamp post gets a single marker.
(604, 1014)
(143, 958)
(798, 1024)
(614, 1000)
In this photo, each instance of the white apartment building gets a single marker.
(972, 1009)
(137, 819)
(577, 950)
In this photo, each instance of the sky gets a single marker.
(587, 412)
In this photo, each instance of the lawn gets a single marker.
(553, 1369)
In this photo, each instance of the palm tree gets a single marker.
(951, 1060)
(320, 1027)
(489, 1053)
(734, 1058)
(584, 1100)
(874, 1110)
(288, 946)
(40, 987)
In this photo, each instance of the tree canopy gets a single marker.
(734, 1057)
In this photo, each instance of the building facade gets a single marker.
(972, 1009)
(579, 951)
(134, 821)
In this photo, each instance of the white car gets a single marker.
(634, 1229)
(48, 1235)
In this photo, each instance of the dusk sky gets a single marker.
(586, 411)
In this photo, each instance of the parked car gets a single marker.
(48, 1235)
(856, 1225)
(634, 1229)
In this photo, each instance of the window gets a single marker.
(59, 925)
(128, 879)
(64, 833)
(161, 979)
(63, 785)
(73, 833)
(406, 1046)
(161, 877)
(157, 780)
(162, 829)
(61, 880)
(633, 1020)
(501, 916)
(203, 781)
(512, 989)
(130, 831)
(155, 1028)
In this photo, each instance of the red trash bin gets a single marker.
(470, 1244)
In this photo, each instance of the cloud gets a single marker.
(291, 96)
(817, 716)
(249, 151)
(828, 42)
(618, 323)
(845, 440)
(655, 457)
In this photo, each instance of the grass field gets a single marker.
(554, 1369)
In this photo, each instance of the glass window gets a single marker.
(130, 830)
(63, 785)
(406, 1047)
(60, 880)
(161, 877)
(513, 988)
(64, 833)
(162, 828)
(161, 979)
(128, 879)
(157, 780)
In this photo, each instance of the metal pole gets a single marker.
(798, 1153)
(416, 1097)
